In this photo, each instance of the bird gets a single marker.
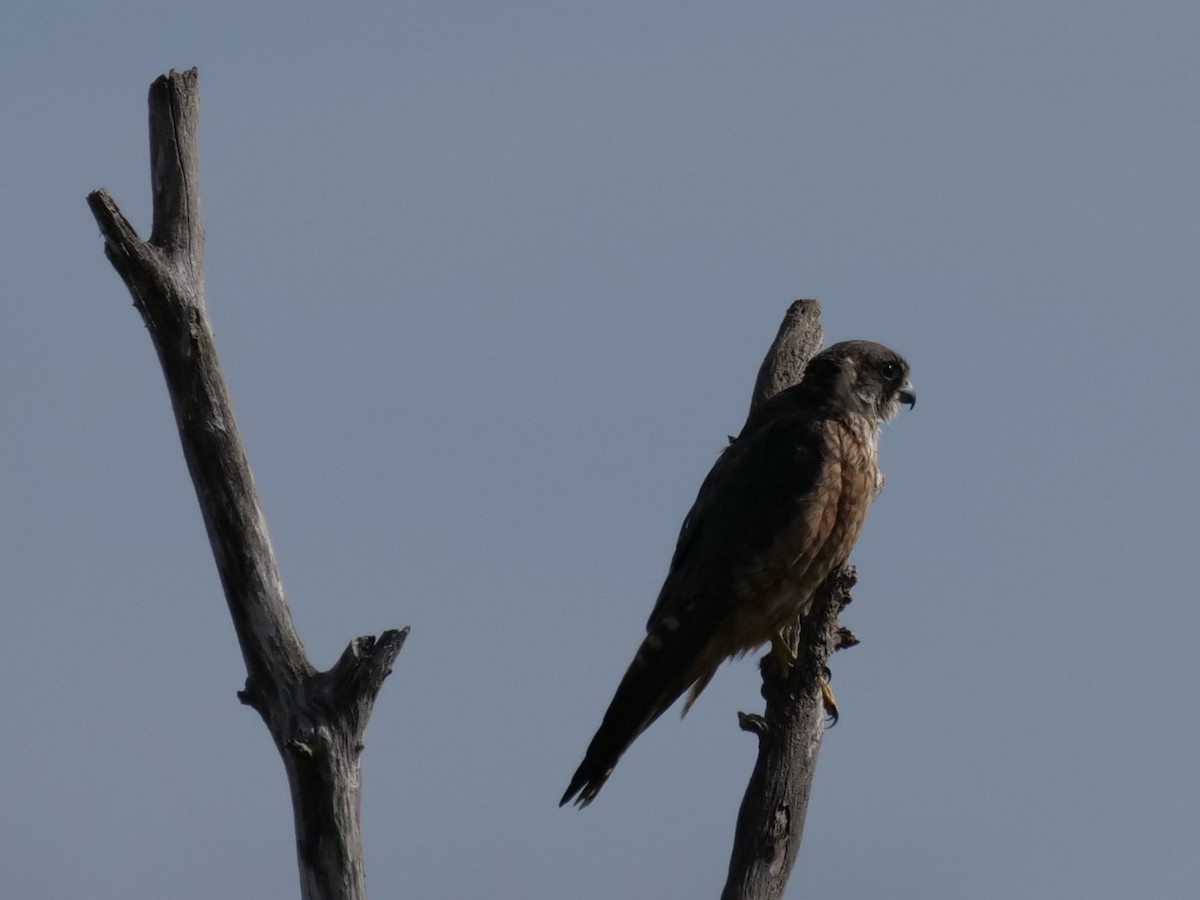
(779, 511)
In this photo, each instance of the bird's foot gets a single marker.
(827, 699)
(785, 658)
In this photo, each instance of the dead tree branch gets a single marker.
(771, 819)
(317, 719)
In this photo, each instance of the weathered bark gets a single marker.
(798, 340)
(771, 819)
(317, 719)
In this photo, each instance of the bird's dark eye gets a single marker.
(890, 370)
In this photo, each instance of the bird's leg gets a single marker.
(785, 659)
(783, 654)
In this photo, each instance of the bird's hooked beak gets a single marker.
(907, 394)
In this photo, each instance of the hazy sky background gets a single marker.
(491, 284)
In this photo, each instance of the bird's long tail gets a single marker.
(651, 684)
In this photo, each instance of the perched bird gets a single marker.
(780, 510)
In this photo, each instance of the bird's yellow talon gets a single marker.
(829, 701)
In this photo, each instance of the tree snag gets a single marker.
(317, 719)
(770, 822)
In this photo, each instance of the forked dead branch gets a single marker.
(316, 719)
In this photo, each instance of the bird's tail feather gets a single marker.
(645, 693)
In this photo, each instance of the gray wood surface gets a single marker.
(316, 719)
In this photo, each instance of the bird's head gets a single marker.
(861, 378)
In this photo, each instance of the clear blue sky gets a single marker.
(491, 283)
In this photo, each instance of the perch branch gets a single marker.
(770, 822)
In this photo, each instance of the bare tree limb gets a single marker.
(317, 719)
(770, 822)
(798, 340)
